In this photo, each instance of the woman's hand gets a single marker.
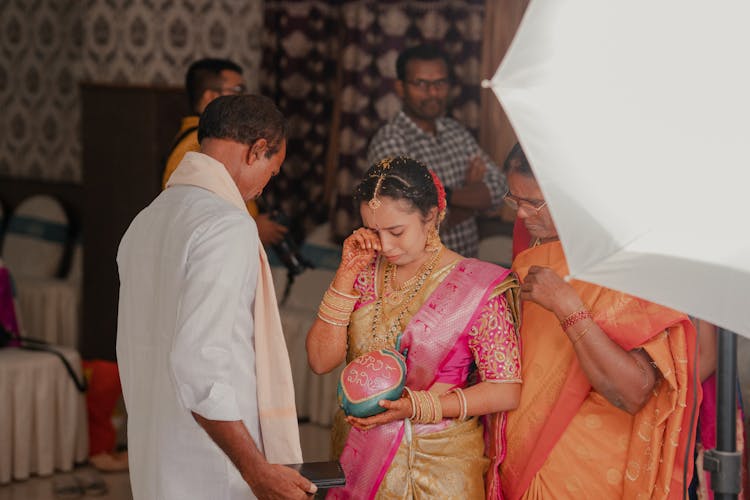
(544, 287)
(395, 410)
(358, 252)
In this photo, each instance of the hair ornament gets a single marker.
(384, 165)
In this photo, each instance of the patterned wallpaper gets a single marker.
(48, 46)
(40, 50)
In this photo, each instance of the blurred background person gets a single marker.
(207, 79)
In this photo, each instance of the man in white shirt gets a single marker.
(191, 277)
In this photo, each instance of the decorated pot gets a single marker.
(372, 377)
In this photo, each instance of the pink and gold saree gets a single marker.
(465, 313)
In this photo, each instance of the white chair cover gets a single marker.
(36, 238)
(43, 424)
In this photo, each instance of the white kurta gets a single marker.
(188, 272)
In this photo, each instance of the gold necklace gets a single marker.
(392, 330)
(394, 295)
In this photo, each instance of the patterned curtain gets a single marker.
(300, 47)
(496, 135)
(48, 46)
(502, 17)
(338, 90)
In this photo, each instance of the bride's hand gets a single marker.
(358, 252)
(395, 410)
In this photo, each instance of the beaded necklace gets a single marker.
(388, 340)
(394, 295)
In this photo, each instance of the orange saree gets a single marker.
(567, 441)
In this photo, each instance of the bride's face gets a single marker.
(401, 227)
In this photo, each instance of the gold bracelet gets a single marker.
(340, 303)
(339, 292)
(437, 406)
(334, 314)
(427, 409)
(337, 307)
(419, 407)
(334, 311)
(424, 412)
(462, 406)
(330, 321)
(410, 395)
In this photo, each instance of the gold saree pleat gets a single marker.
(448, 464)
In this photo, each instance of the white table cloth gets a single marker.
(49, 309)
(43, 424)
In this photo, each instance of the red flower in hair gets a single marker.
(440, 191)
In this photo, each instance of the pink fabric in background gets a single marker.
(7, 306)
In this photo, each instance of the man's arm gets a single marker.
(484, 183)
(266, 480)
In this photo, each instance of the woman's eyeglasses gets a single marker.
(515, 202)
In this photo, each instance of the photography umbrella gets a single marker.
(635, 117)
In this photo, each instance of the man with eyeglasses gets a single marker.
(422, 131)
(206, 80)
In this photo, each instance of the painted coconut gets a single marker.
(370, 378)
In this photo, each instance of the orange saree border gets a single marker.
(549, 402)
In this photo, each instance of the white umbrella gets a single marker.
(635, 117)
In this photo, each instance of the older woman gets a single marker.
(398, 287)
(605, 407)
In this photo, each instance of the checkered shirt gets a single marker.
(448, 153)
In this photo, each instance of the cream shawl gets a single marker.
(276, 409)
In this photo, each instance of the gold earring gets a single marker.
(433, 244)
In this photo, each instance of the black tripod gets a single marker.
(725, 462)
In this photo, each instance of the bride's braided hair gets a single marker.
(399, 178)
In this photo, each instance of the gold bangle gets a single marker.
(339, 292)
(437, 407)
(334, 314)
(410, 395)
(337, 306)
(462, 405)
(332, 311)
(338, 302)
(427, 409)
(330, 321)
(419, 407)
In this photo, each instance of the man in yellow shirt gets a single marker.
(206, 80)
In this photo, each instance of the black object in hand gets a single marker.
(322, 474)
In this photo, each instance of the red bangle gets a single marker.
(575, 318)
